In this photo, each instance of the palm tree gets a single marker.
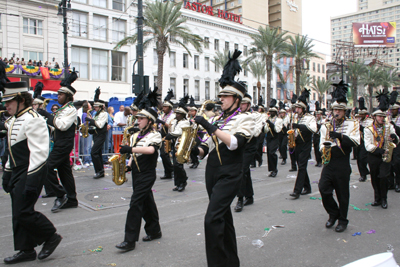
(355, 70)
(321, 86)
(299, 48)
(388, 78)
(163, 24)
(267, 42)
(220, 59)
(257, 68)
(305, 80)
(371, 78)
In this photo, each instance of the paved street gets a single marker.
(304, 241)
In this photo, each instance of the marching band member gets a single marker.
(164, 123)
(180, 121)
(272, 128)
(283, 139)
(377, 138)
(192, 112)
(395, 121)
(132, 118)
(260, 144)
(229, 134)
(304, 129)
(24, 175)
(293, 117)
(362, 157)
(64, 122)
(246, 187)
(335, 175)
(99, 123)
(317, 136)
(143, 162)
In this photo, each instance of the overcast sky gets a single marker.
(316, 19)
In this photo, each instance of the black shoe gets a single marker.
(362, 178)
(293, 170)
(126, 246)
(283, 162)
(21, 256)
(181, 187)
(259, 164)
(152, 237)
(58, 203)
(49, 246)
(295, 195)
(305, 192)
(49, 195)
(70, 204)
(239, 206)
(166, 177)
(175, 188)
(195, 165)
(397, 189)
(384, 204)
(340, 228)
(331, 222)
(376, 203)
(252, 166)
(273, 174)
(99, 175)
(280, 157)
(248, 201)
(318, 165)
(391, 187)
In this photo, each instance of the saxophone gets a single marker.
(85, 127)
(327, 149)
(167, 146)
(389, 146)
(46, 102)
(291, 135)
(119, 161)
(187, 140)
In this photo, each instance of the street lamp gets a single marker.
(63, 7)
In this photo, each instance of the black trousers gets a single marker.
(394, 178)
(380, 172)
(336, 176)
(362, 159)
(283, 146)
(222, 185)
(302, 151)
(98, 142)
(166, 160)
(59, 159)
(180, 176)
(142, 205)
(259, 153)
(246, 186)
(317, 153)
(293, 159)
(31, 228)
(272, 147)
(194, 159)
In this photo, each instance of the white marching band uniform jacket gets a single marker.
(349, 127)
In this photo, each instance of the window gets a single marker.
(80, 60)
(207, 90)
(240, 10)
(99, 28)
(33, 26)
(118, 30)
(155, 57)
(155, 80)
(79, 24)
(319, 67)
(196, 63)
(197, 90)
(245, 50)
(186, 61)
(323, 68)
(239, 2)
(118, 71)
(81, 1)
(2, 54)
(216, 44)
(33, 55)
(172, 59)
(216, 89)
(185, 86)
(100, 3)
(119, 5)
(172, 85)
(232, 4)
(313, 66)
(99, 64)
(313, 78)
(226, 46)
(313, 96)
(236, 46)
(0, 21)
(207, 64)
(206, 42)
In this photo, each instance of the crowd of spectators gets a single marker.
(48, 64)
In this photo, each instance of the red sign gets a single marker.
(49, 85)
(210, 11)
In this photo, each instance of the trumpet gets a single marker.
(45, 103)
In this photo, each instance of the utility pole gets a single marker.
(63, 7)
(139, 48)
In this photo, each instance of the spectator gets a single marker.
(11, 61)
(121, 116)
(86, 143)
(56, 66)
(1, 58)
(30, 62)
(39, 64)
(34, 63)
(110, 123)
(5, 60)
(23, 63)
(54, 108)
(46, 64)
(18, 62)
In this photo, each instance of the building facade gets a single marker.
(317, 71)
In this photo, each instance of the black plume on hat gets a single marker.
(273, 102)
(3, 76)
(317, 107)
(183, 101)
(305, 94)
(97, 93)
(231, 69)
(138, 99)
(393, 97)
(169, 95)
(323, 111)
(191, 103)
(260, 101)
(69, 79)
(294, 99)
(348, 113)
(281, 105)
(383, 100)
(361, 104)
(150, 100)
(340, 93)
(356, 110)
(38, 89)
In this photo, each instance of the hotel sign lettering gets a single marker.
(209, 10)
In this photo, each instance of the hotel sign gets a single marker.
(209, 10)
(292, 5)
